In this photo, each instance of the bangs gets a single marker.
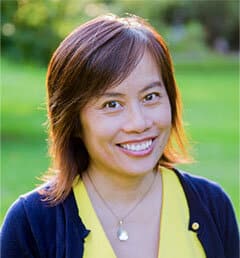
(114, 60)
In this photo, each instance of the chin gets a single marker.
(139, 170)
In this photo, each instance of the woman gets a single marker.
(116, 134)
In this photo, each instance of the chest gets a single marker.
(147, 236)
(142, 242)
(142, 227)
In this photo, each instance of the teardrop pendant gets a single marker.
(122, 234)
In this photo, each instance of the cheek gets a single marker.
(163, 116)
(99, 129)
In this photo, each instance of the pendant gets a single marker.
(122, 234)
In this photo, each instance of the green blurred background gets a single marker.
(203, 37)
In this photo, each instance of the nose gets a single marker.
(138, 120)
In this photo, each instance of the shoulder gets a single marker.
(31, 224)
(31, 204)
(32, 208)
(34, 228)
(205, 195)
(28, 209)
(24, 226)
(202, 187)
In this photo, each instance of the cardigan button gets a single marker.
(195, 226)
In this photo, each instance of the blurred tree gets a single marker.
(31, 29)
(34, 36)
(220, 19)
(7, 26)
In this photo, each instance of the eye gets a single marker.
(113, 104)
(152, 97)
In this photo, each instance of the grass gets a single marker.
(210, 95)
(24, 149)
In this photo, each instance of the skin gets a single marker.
(135, 112)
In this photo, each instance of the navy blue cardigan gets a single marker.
(34, 229)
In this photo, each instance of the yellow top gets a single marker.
(175, 238)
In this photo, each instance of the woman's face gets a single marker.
(126, 129)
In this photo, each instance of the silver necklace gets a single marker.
(122, 233)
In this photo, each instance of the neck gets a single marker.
(116, 188)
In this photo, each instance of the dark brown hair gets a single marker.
(95, 56)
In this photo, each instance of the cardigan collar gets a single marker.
(75, 229)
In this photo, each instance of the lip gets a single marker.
(138, 140)
(140, 153)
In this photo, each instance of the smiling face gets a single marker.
(126, 129)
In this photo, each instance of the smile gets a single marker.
(137, 146)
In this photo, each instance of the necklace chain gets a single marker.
(120, 220)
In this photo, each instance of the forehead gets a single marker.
(145, 73)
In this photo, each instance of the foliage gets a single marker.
(33, 34)
(32, 29)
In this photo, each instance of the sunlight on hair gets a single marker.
(130, 20)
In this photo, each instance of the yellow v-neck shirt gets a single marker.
(175, 239)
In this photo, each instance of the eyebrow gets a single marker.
(152, 85)
(148, 87)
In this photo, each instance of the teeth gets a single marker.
(137, 147)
